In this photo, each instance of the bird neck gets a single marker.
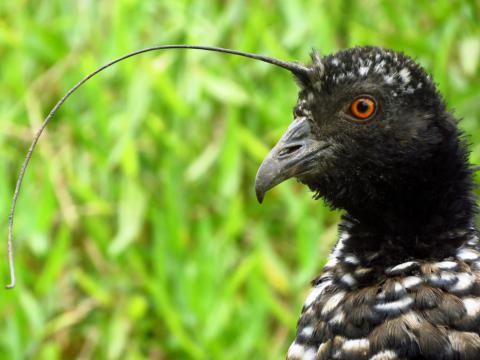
(427, 212)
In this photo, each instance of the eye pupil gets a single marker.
(363, 106)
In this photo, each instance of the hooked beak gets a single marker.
(294, 155)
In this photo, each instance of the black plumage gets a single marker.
(403, 281)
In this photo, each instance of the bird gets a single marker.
(372, 135)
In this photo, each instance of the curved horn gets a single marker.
(298, 70)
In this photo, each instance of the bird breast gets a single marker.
(415, 309)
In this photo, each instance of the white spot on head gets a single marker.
(395, 306)
(332, 302)
(335, 62)
(467, 254)
(388, 79)
(464, 282)
(380, 67)
(363, 70)
(405, 75)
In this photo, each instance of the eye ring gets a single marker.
(363, 108)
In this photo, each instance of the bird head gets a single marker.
(366, 119)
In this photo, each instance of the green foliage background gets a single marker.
(138, 235)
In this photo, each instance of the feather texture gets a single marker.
(403, 312)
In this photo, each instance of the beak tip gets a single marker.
(260, 196)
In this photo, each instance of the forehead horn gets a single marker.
(300, 72)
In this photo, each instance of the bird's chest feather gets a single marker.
(418, 309)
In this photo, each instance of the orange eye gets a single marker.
(363, 108)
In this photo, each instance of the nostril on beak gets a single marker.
(288, 150)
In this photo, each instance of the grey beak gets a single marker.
(292, 156)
